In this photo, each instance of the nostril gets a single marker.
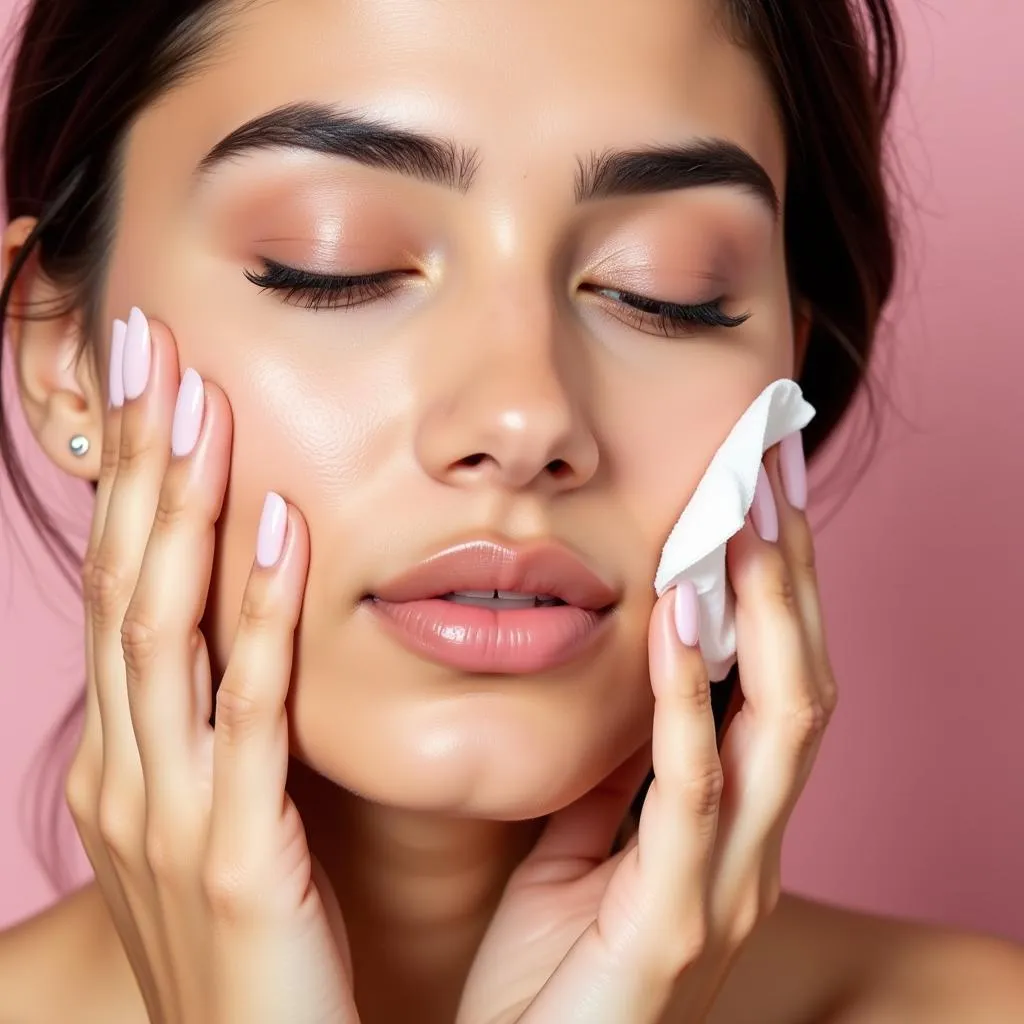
(559, 469)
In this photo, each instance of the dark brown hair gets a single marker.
(84, 69)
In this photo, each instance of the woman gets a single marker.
(418, 308)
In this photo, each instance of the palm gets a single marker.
(552, 899)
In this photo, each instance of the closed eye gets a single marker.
(344, 291)
(324, 291)
(668, 318)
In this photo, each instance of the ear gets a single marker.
(802, 321)
(55, 373)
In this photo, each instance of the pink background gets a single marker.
(917, 804)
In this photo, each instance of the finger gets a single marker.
(82, 787)
(769, 748)
(167, 606)
(787, 472)
(111, 432)
(92, 731)
(679, 821)
(151, 378)
(771, 744)
(250, 745)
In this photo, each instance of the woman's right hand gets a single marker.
(196, 846)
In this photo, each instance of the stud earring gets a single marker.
(79, 445)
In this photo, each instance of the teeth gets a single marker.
(507, 599)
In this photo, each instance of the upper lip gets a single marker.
(545, 568)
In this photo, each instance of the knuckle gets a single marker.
(80, 793)
(238, 714)
(702, 789)
(172, 509)
(808, 722)
(231, 898)
(757, 903)
(745, 918)
(110, 454)
(779, 582)
(800, 544)
(131, 453)
(166, 855)
(105, 591)
(257, 612)
(139, 642)
(687, 946)
(829, 693)
(698, 693)
(117, 827)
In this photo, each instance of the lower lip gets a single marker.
(475, 639)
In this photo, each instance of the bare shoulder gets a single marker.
(67, 963)
(809, 963)
(814, 963)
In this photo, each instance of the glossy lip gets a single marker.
(546, 568)
(513, 641)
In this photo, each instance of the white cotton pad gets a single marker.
(695, 549)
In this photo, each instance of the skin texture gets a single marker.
(357, 416)
(450, 399)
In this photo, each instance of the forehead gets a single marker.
(527, 83)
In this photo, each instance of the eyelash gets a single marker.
(338, 291)
(319, 291)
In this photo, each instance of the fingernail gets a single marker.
(115, 380)
(270, 538)
(793, 467)
(188, 413)
(687, 613)
(137, 354)
(763, 512)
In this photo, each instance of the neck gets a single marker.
(417, 892)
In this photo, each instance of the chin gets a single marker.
(498, 756)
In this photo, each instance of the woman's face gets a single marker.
(499, 386)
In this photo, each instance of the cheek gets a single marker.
(661, 438)
(315, 438)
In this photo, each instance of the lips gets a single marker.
(428, 609)
(546, 569)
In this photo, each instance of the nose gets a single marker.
(507, 407)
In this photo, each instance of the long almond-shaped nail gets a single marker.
(793, 468)
(270, 536)
(763, 511)
(188, 413)
(115, 379)
(687, 613)
(137, 354)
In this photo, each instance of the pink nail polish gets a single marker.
(137, 354)
(687, 613)
(115, 379)
(188, 414)
(763, 511)
(270, 537)
(793, 467)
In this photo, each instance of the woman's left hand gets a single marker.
(648, 935)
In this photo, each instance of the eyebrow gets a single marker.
(376, 143)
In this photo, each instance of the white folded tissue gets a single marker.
(695, 549)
